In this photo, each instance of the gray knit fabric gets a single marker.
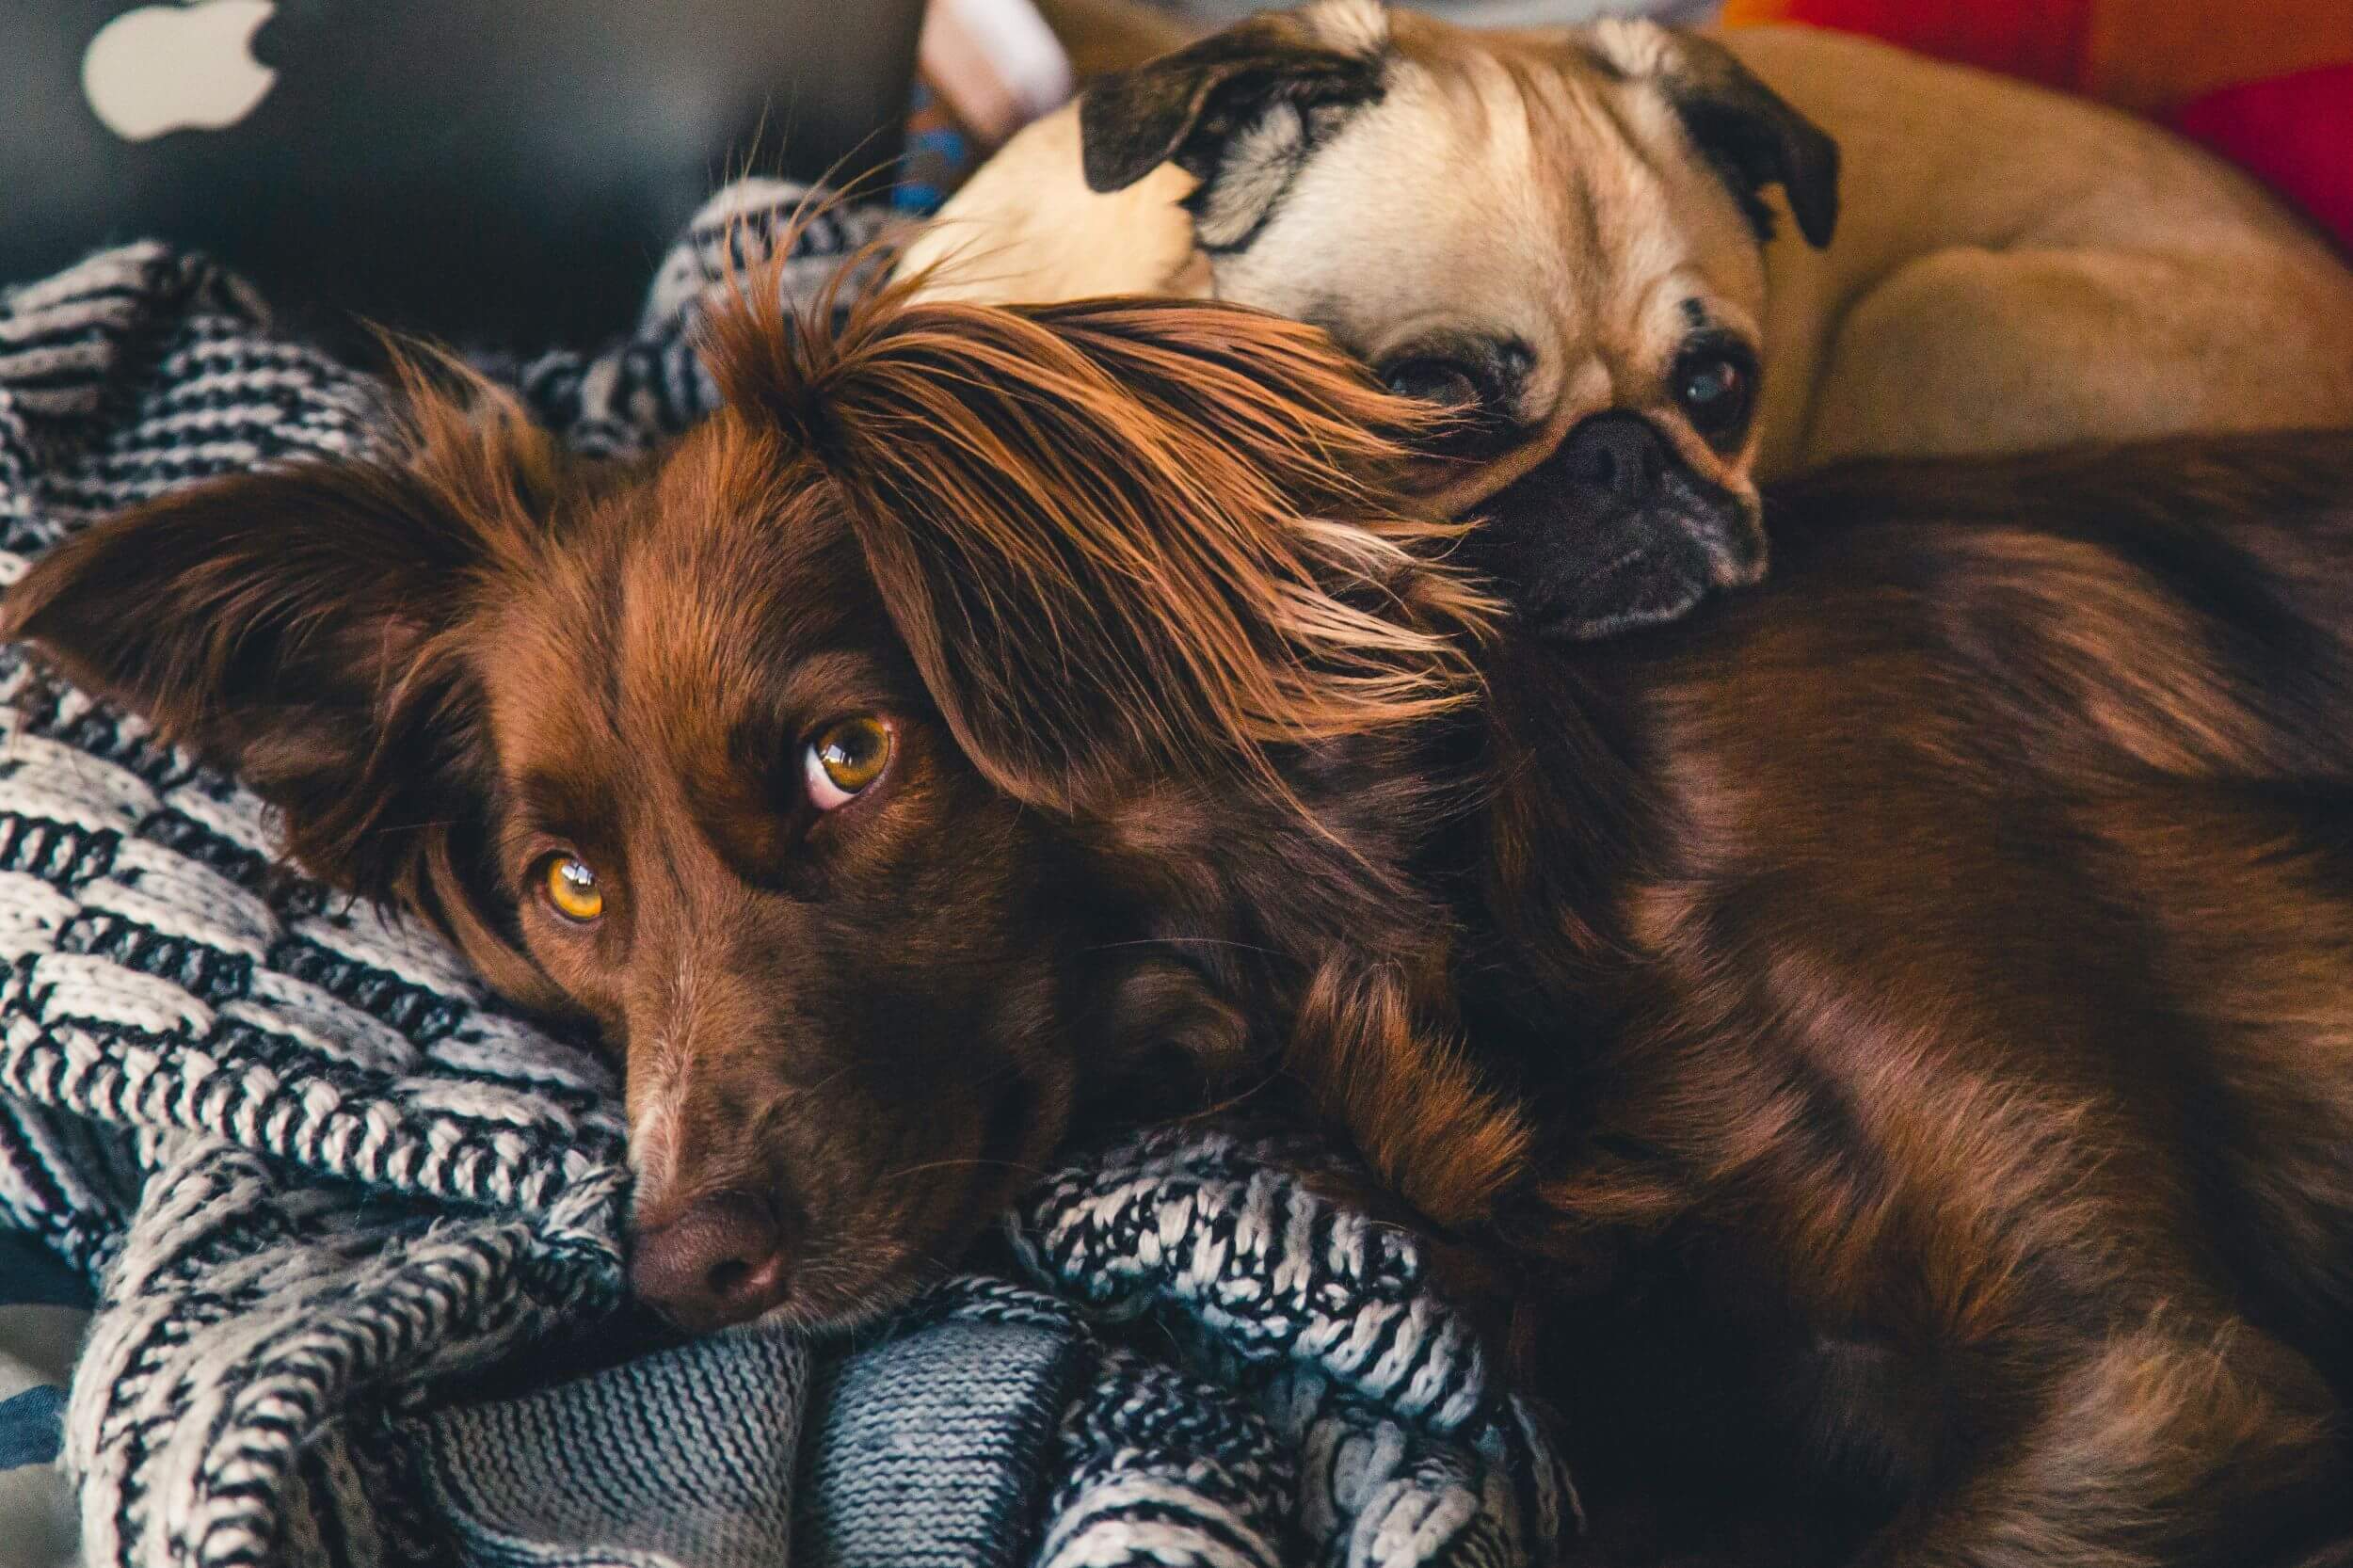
(889, 1482)
(700, 1433)
(340, 1203)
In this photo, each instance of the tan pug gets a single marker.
(1651, 266)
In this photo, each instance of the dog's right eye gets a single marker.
(572, 888)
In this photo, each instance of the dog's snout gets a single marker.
(1616, 460)
(722, 1261)
(1616, 530)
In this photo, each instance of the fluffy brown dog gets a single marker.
(885, 768)
(1933, 975)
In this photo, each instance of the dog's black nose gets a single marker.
(720, 1262)
(1612, 461)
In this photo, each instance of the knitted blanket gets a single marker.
(354, 1226)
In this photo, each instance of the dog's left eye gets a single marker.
(573, 888)
(1713, 391)
(847, 757)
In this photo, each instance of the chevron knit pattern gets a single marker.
(316, 1171)
(1369, 1387)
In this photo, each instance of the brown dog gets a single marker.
(885, 768)
(1651, 266)
(1934, 973)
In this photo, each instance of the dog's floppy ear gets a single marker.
(1122, 539)
(289, 624)
(1746, 130)
(1238, 110)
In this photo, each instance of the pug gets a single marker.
(1648, 266)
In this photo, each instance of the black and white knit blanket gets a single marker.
(353, 1226)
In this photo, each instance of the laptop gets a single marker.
(501, 172)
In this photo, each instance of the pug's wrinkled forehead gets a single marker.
(1533, 226)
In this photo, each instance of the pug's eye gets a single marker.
(1713, 390)
(1446, 383)
(572, 888)
(846, 759)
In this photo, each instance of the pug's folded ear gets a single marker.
(1746, 130)
(1240, 110)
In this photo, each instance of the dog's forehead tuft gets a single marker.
(733, 534)
(1349, 26)
(690, 597)
(734, 484)
(1633, 46)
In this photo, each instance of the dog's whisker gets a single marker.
(1025, 1168)
(1231, 942)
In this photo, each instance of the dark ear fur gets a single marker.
(290, 625)
(1277, 83)
(1753, 137)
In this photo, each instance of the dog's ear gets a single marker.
(1123, 539)
(1749, 133)
(1240, 110)
(291, 624)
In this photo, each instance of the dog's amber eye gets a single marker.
(573, 888)
(846, 759)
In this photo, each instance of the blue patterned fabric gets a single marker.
(354, 1226)
(43, 1308)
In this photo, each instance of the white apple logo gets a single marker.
(176, 67)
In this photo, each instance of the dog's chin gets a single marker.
(1641, 589)
(842, 1307)
(844, 1283)
(1661, 579)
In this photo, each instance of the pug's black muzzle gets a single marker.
(1614, 530)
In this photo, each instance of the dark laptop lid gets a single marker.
(503, 170)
